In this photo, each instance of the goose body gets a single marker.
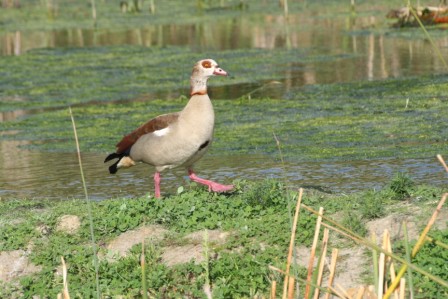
(176, 139)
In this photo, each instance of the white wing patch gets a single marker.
(162, 132)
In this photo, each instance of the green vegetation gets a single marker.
(331, 122)
(257, 216)
(113, 89)
(433, 259)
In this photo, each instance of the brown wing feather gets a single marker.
(158, 123)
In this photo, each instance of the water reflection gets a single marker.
(29, 174)
(377, 55)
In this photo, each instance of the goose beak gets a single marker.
(220, 72)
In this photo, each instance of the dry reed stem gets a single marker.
(360, 292)
(89, 207)
(417, 246)
(65, 293)
(437, 242)
(365, 242)
(322, 262)
(273, 289)
(331, 289)
(291, 287)
(291, 243)
(313, 253)
(381, 275)
(143, 266)
(402, 288)
(334, 257)
(343, 291)
(439, 157)
(339, 294)
(431, 41)
(375, 260)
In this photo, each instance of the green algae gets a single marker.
(60, 77)
(381, 119)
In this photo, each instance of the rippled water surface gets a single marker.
(34, 174)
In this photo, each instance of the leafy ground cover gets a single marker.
(257, 217)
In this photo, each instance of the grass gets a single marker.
(256, 216)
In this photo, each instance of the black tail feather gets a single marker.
(113, 168)
(113, 156)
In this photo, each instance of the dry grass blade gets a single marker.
(343, 291)
(291, 243)
(381, 267)
(362, 241)
(89, 207)
(375, 261)
(332, 290)
(428, 36)
(407, 247)
(442, 161)
(334, 257)
(322, 262)
(438, 243)
(65, 293)
(313, 252)
(273, 289)
(291, 287)
(402, 288)
(418, 245)
(360, 293)
(143, 266)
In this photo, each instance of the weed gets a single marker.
(257, 216)
(353, 221)
(402, 186)
(371, 205)
(433, 259)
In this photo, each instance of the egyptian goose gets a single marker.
(176, 139)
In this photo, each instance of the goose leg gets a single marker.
(157, 184)
(212, 186)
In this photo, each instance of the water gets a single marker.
(31, 174)
(363, 56)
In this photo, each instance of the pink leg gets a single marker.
(212, 186)
(157, 184)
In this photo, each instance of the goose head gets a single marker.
(202, 71)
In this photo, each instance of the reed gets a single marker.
(408, 259)
(308, 290)
(321, 262)
(416, 248)
(385, 262)
(428, 36)
(334, 257)
(152, 7)
(65, 293)
(143, 266)
(89, 207)
(291, 243)
(442, 161)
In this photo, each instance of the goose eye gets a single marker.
(206, 64)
